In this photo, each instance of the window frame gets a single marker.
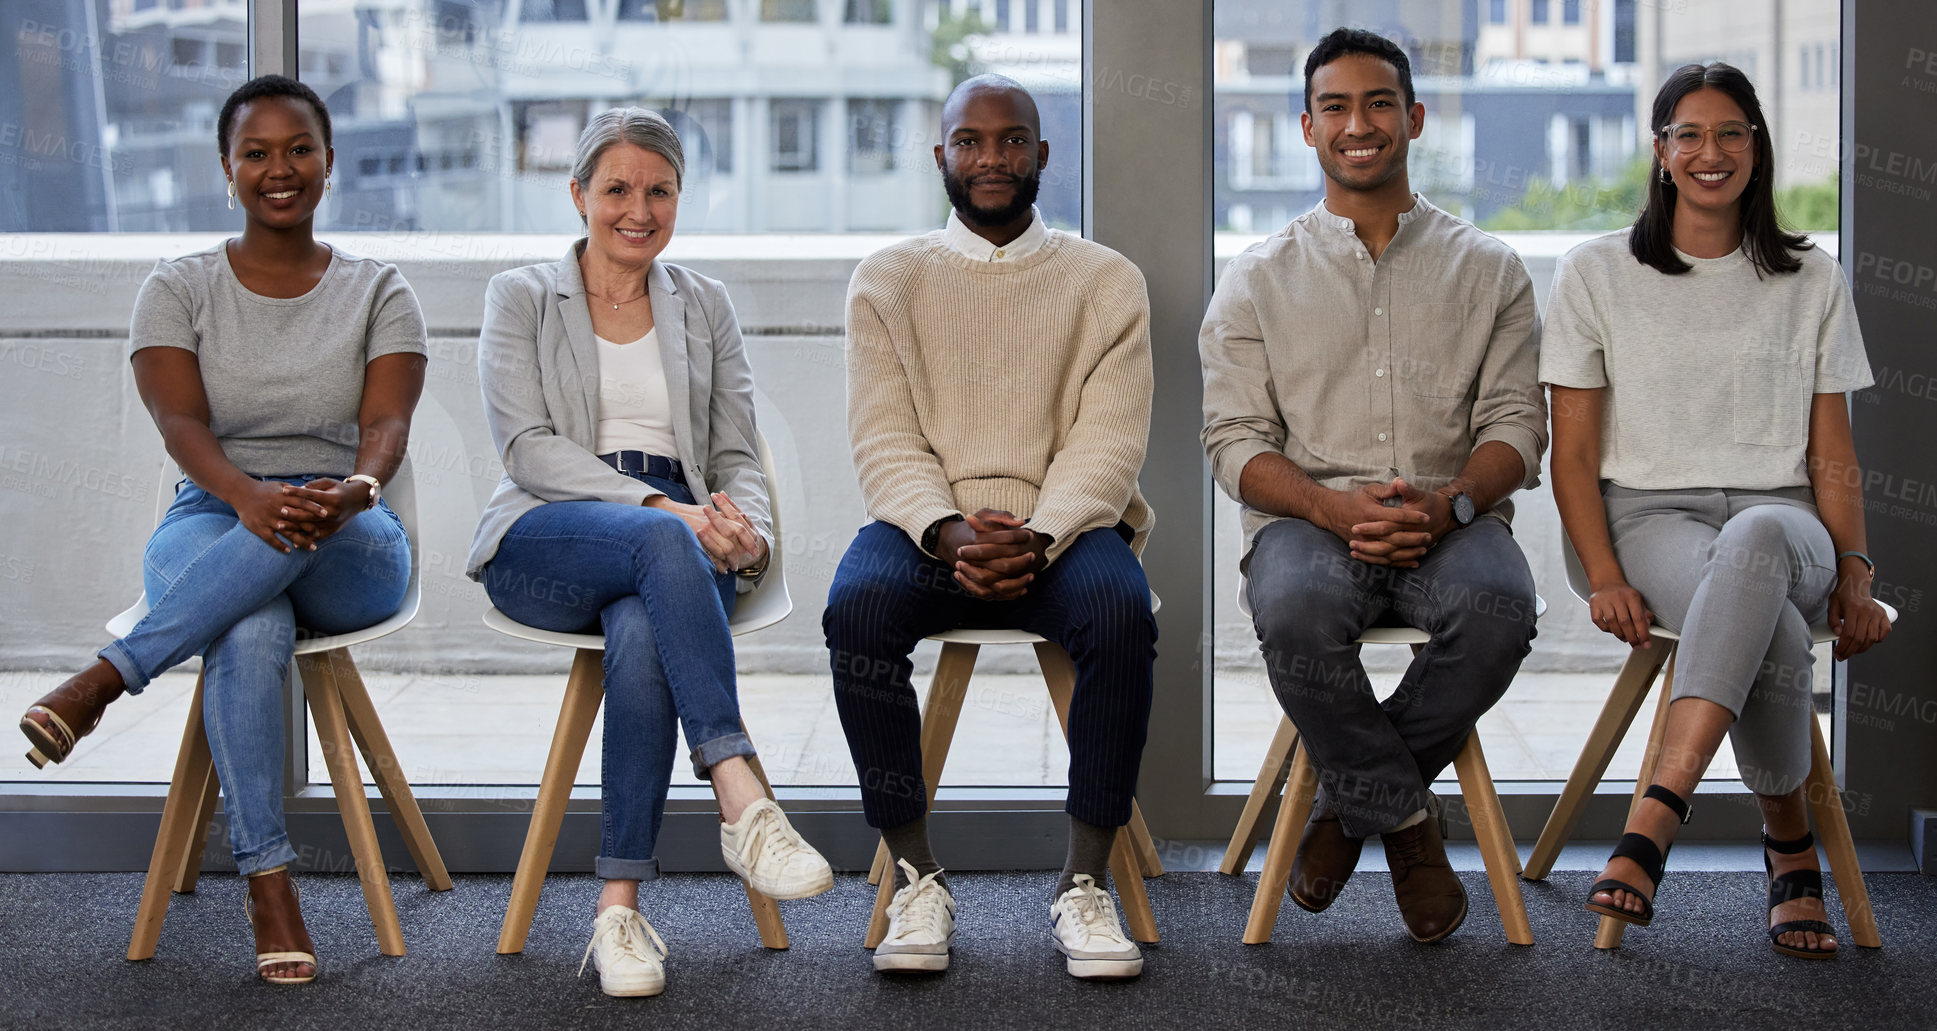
(110, 826)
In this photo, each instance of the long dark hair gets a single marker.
(1769, 246)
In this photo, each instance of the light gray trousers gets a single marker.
(1740, 575)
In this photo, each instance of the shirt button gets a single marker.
(1361, 255)
(1378, 311)
(1381, 436)
(1380, 372)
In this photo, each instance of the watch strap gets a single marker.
(931, 538)
(376, 487)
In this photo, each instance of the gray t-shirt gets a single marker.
(284, 376)
(1709, 375)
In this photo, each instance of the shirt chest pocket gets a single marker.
(1434, 349)
(1771, 396)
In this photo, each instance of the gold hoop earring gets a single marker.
(232, 195)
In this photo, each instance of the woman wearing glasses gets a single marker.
(619, 395)
(1706, 477)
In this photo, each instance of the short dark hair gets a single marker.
(1344, 41)
(1768, 245)
(268, 86)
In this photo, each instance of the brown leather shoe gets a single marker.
(1325, 861)
(1431, 899)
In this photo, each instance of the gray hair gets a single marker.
(635, 125)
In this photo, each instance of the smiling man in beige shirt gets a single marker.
(1371, 399)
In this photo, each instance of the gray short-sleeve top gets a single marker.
(1709, 375)
(284, 376)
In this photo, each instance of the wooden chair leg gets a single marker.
(881, 861)
(193, 770)
(1495, 839)
(1300, 788)
(196, 853)
(766, 912)
(1059, 676)
(332, 730)
(1608, 936)
(584, 690)
(1128, 875)
(1826, 803)
(940, 713)
(381, 757)
(1149, 863)
(1264, 791)
(1630, 691)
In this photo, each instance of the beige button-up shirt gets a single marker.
(1361, 370)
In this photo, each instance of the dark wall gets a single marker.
(1887, 719)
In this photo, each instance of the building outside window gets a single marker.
(789, 10)
(796, 128)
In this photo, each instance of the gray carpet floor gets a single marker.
(1704, 964)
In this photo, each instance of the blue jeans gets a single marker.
(641, 576)
(1093, 600)
(1310, 601)
(216, 589)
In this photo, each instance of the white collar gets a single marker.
(962, 240)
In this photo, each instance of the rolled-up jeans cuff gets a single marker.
(275, 854)
(123, 663)
(627, 869)
(709, 753)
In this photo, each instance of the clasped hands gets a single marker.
(993, 554)
(287, 516)
(1381, 533)
(724, 532)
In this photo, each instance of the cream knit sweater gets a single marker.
(1022, 386)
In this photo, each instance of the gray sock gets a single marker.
(1089, 852)
(910, 841)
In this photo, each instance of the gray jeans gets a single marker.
(1740, 575)
(1310, 600)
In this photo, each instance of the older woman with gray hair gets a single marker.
(619, 395)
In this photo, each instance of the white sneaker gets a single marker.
(1084, 924)
(921, 925)
(628, 954)
(766, 851)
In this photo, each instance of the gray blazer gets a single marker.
(538, 364)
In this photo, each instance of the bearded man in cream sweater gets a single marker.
(999, 384)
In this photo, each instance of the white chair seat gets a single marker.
(962, 635)
(1383, 634)
(1819, 633)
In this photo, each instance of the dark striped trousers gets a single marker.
(1093, 600)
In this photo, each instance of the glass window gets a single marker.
(551, 11)
(871, 135)
(789, 10)
(1570, 12)
(1002, 15)
(1538, 141)
(672, 10)
(869, 12)
(796, 126)
(1541, 10)
(1062, 15)
(1496, 11)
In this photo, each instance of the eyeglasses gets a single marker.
(1686, 137)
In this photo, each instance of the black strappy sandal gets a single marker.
(1796, 884)
(1648, 856)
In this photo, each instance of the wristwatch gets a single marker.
(376, 488)
(931, 538)
(1463, 512)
